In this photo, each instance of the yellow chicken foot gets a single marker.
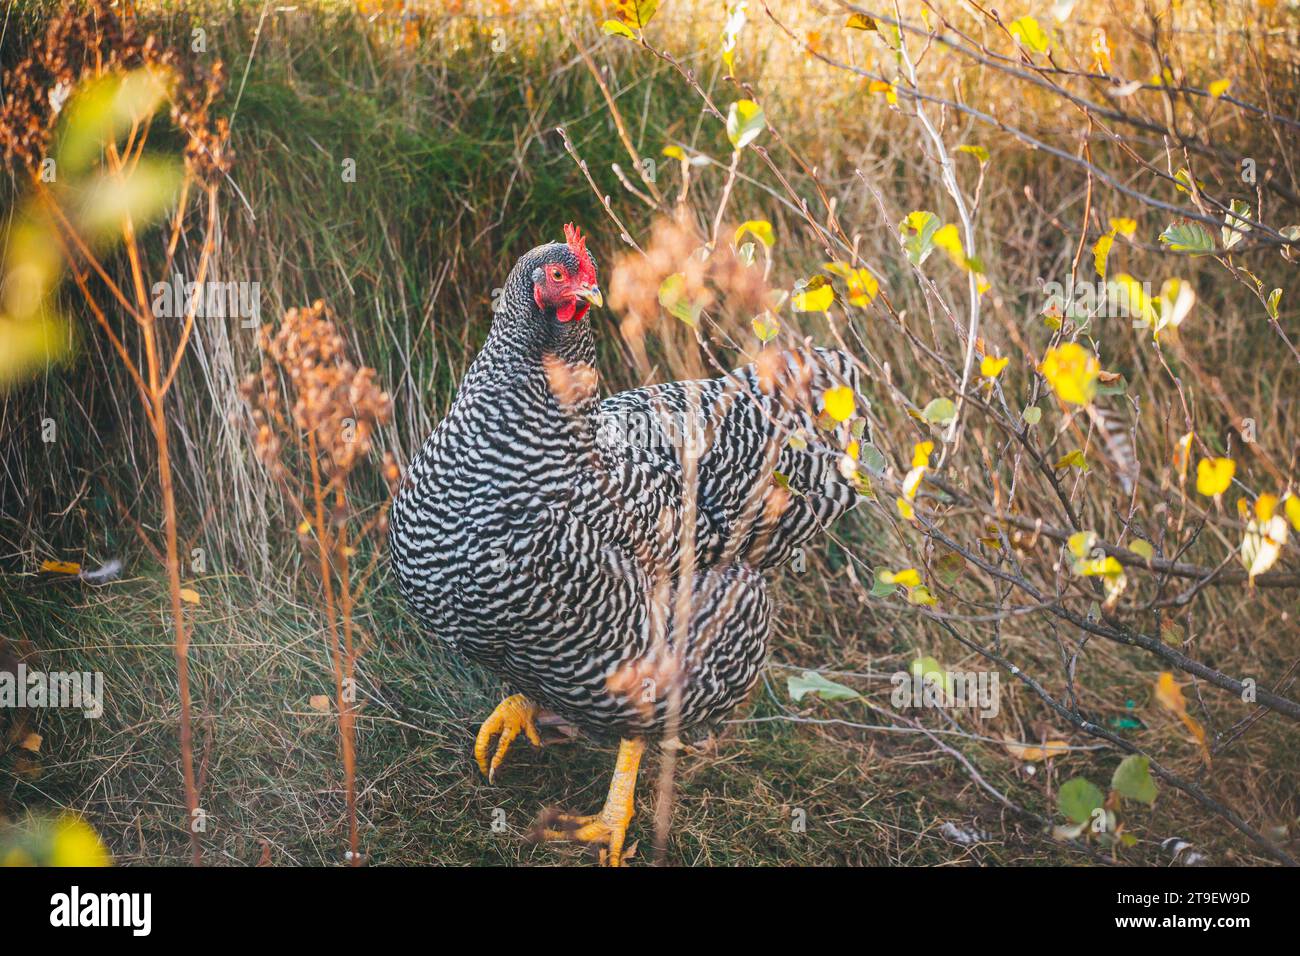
(514, 714)
(609, 827)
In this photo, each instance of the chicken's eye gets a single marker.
(556, 274)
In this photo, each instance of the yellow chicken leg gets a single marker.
(514, 714)
(609, 827)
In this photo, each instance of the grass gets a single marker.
(456, 174)
(272, 782)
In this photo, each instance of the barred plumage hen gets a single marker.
(605, 558)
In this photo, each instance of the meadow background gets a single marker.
(449, 111)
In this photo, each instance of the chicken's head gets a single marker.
(564, 278)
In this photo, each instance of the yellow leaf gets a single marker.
(815, 297)
(1072, 371)
(304, 526)
(1265, 505)
(320, 703)
(905, 509)
(1133, 299)
(1101, 252)
(189, 595)
(1125, 227)
(991, 367)
(618, 28)
(921, 595)
(839, 402)
(913, 481)
(890, 91)
(76, 844)
(1074, 459)
(1103, 567)
(32, 742)
(947, 239)
(1219, 87)
(859, 21)
(1081, 543)
(1030, 35)
(1292, 506)
(1170, 696)
(635, 13)
(1100, 51)
(760, 229)
(674, 152)
(921, 454)
(1049, 749)
(61, 567)
(1214, 475)
(908, 578)
(1142, 549)
(862, 284)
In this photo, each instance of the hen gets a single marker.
(605, 558)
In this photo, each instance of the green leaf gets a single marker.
(917, 234)
(1189, 237)
(1132, 779)
(1234, 229)
(927, 668)
(979, 152)
(871, 459)
(745, 120)
(1032, 415)
(142, 195)
(948, 569)
(1273, 302)
(882, 587)
(940, 411)
(810, 682)
(766, 327)
(1077, 798)
(674, 298)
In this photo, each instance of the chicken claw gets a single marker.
(607, 829)
(514, 714)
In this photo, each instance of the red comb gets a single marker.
(577, 243)
(576, 240)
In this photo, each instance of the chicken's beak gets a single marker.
(592, 294)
